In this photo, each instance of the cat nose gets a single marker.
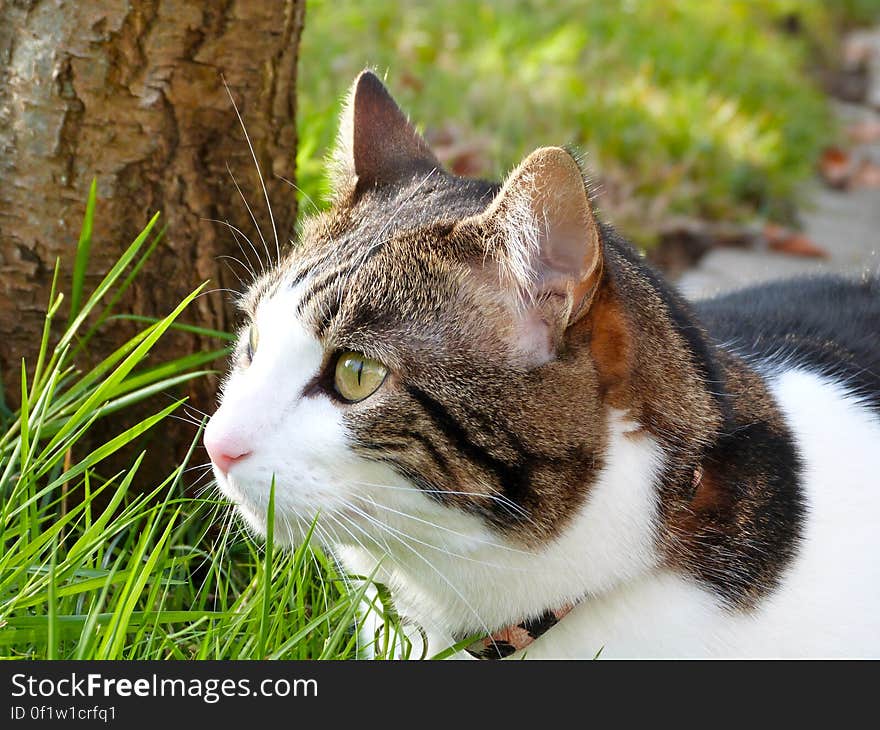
(225, 450)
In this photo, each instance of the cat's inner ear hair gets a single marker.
(376, 143)
(541, 231)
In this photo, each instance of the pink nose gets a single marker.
(225, 450)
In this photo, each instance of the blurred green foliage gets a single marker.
(682, 107)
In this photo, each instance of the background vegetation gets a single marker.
(683, 108)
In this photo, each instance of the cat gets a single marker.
(500, 411)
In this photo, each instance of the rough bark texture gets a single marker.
(132, 93)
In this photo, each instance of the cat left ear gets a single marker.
(541, 229)
(376, 143)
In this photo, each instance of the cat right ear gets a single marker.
(376, 143)
(541, 231)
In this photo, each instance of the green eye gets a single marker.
(357, 376)
(253, 340)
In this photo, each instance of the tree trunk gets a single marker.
(132, 93)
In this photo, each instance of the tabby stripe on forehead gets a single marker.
(328, 315)
(317, 288)
(309, 266)
(325, 283)
(509, 477)
(304, 271)
(305, 268)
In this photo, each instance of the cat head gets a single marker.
(425, 359)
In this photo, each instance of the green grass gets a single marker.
(98, 566)
(682, 107)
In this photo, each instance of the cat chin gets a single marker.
(292, 525)
(287, 533)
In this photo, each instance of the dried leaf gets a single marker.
(774, 232)
(461, 150)
(835, 167)
(410, 81)
(795, 244)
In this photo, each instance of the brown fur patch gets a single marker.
(611, 346)
(708, 495)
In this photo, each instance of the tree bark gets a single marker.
(132, 93)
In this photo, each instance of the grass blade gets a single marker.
(83, 250)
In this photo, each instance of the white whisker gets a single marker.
(394, 531)
(236, 232)
(256, 162)
(250, 212)
(447, 529)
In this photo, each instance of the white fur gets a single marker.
(447, 569)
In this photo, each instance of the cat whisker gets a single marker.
(250, 213)
(447, 529)
(184, 419)
(198, 410)
(387, 555)
(205, 489)
(236, 232)
(392, 218)
(567, 560)
(302, 192)
(205, 293)
(394, 531)
(235, 236)
(375, 541)
(324, 538)
(504, 501)
(225, 259)
(201, 467)
(199, 419)
(199, 485)
(208, 556)
(257, 164)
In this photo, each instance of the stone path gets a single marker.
(844, 223)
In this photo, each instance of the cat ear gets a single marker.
(541, 229)
(376, 143)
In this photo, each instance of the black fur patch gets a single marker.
(521, 479)
(742, 542)
(829, 325)
(511, 478)
(537, 627)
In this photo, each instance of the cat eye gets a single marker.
(358, 376)
(253, 340)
